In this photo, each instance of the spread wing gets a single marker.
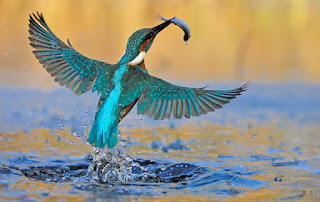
(161, 100)
(68, 67)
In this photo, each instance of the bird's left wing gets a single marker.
(68, 67)
(161, 100)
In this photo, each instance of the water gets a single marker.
(264, 145)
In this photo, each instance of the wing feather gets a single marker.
(168, 100)
(68, 67)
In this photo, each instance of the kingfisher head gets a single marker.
(139, 44)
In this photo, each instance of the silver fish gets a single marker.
(182, 24)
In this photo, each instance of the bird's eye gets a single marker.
(148, 36)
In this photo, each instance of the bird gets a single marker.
(121, 85)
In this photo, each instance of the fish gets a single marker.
(180, 23)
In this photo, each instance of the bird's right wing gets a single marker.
(161, 100)
(68, 67)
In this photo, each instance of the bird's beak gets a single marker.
(160, 27)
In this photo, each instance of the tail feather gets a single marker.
(104, 130)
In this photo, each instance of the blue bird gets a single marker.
(120, 86)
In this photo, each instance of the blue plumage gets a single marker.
(105, 127)
(106, 123)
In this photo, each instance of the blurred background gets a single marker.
(257, 40)
(265, 145)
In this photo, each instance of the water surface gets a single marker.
(264, 145)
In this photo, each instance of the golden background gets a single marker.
(257, 40)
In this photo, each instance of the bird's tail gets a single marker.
(105, 127)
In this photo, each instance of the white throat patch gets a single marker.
(138, 59)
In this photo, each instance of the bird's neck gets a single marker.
(134, 57)
(143, 66)
(138, 59)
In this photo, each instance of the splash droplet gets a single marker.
(62, 128)
(110, 167)
(123, 142)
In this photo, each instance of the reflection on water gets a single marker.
(255, 148)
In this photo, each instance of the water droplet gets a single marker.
(77, 106)
(163, 168)
(290, 149)
(128, 158)
(232, 30)
(227, 28)
(74, 134)
(254, 135)
(123, 142)
(36, 132)
(186, 43)
(86, 112)
(145, 169)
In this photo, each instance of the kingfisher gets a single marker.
(120, 86)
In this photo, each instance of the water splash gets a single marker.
(110, 166)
